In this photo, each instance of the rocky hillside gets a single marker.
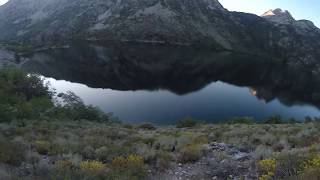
(183, 22)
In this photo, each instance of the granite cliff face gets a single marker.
(182, 22)
(298, 38)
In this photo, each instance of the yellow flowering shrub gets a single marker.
(119, 162)
(64, 165)
(132, 160)
(266, 168)
(91, 165)
(135, 160)
(313, 164)
(131, 166)
(266, 176)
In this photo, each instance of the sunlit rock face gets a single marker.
(202, 23)
(279, 16)
(284, 17)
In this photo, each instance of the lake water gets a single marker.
(161, 84)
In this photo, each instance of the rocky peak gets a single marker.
(278, 16)
(214, 4)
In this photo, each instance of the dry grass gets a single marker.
(77, 142)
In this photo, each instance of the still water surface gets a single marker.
(164, 84)
(216, 101)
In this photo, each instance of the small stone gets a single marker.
(214, 177)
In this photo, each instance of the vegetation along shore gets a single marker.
(44, 135)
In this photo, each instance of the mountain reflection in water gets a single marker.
(162, 84)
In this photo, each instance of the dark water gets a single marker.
(162, 84)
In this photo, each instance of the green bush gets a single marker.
(73, 108)
(163, 160)
(274, 120)
(308, 119)
(22, 95)
(25, 96)
(190, 153)
(187, 122)
(42, 147)
(242, 120)
(11, 153)
(147, 126)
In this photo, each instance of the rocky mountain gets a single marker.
(183, 22)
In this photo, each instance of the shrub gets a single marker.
(274, 120)
(288, 165)
(22, 95)
(132, 161)
(19, 82)
(72, 107)
(308, 119)
(91, 166)
(163, 160)
(242, 120)
(102, 154)
(64, 165)
(11, 153)
(312, 164)
(42, 147)
(127, 126)
(131, 166)
(190, 153)
(25, 96)
(88, 152)
(266, 169)
(262, 152)
(187, 122)
(293, 121)
(147, 126)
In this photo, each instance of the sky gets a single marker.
(300, 9)
(2, 2)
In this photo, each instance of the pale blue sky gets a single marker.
(300, 9)
(2, 2)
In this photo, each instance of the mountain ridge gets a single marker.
(183, 22)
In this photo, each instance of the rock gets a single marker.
(218, 146)
(240, 156)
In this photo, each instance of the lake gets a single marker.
(162, 84)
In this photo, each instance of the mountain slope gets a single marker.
(183, 22)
